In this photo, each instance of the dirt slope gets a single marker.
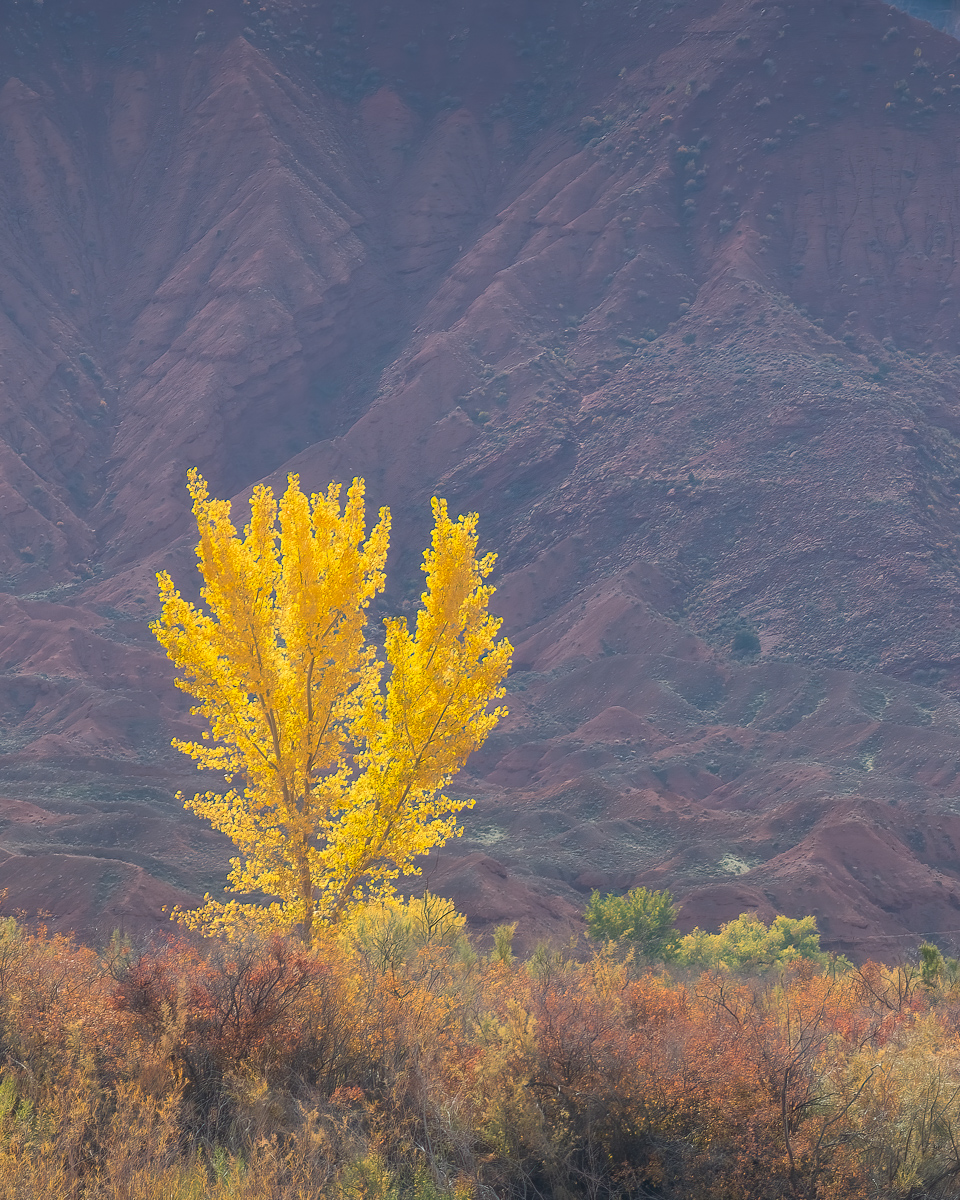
(667, 292)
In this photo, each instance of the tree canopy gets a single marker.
(337, 757)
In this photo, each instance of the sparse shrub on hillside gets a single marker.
(590, 127)
(745, 644)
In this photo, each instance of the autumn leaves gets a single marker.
(337, 759)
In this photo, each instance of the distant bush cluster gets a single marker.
(646, 921)
(396, 1061)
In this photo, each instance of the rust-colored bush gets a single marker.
(266, 1070)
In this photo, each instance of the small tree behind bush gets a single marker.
(748, 944)
(647, 919)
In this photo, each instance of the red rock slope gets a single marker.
(667, 291)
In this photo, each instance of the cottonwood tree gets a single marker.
(336, 759)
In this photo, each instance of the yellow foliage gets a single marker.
(425, 920)
(906, 1101)
(342, 762)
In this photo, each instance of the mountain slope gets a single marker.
(667, 292)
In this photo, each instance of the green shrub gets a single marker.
(745, 644)
(747, 943)
(645, 918)
(503, 943)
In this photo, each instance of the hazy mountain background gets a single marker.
(667, 291)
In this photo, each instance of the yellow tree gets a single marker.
(336, 760)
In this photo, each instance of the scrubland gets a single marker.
(398, 1060)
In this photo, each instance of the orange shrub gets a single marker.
(265, 1070)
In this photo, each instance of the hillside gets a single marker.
(666, 291)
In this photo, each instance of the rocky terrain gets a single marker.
(944, 14)
(667, 291)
